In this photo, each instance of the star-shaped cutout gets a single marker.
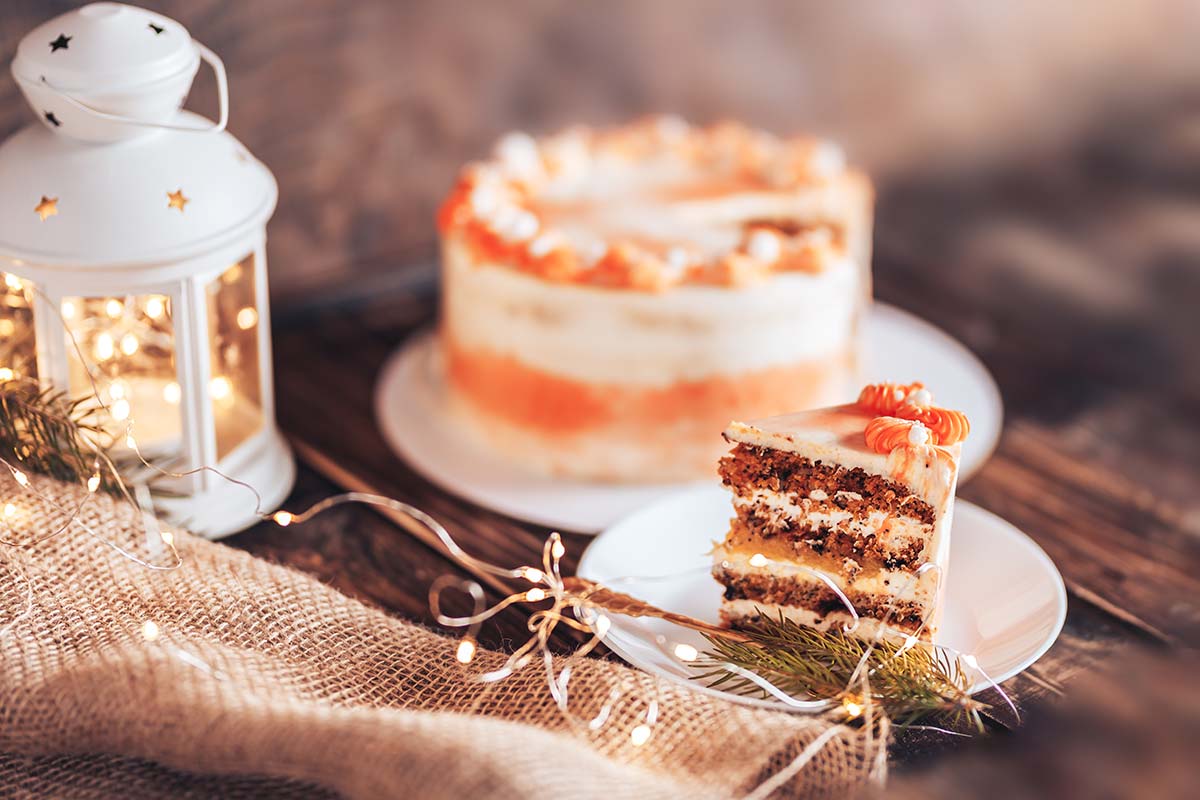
(156, 28)
(176, 199)
(60, 43)
(53, 120)
(47, 208)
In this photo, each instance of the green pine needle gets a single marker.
(46, 432)
(910, 686)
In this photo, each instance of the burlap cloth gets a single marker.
(265, 683)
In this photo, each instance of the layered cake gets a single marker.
(613, 297)
(849, 504)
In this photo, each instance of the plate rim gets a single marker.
(421, 344)
(1035, 550)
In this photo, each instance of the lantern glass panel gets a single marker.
(18, 348)
(123, 348)
(235, 386)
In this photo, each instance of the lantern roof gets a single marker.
(105, 46)
(165, 196)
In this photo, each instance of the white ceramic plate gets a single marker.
(1005, 602)
(410, 406)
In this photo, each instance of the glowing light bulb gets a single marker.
(68, 309)
(119, 410)
(758, 560)
(12, 282)
(129, 344)
(283, 518)
(640, 735)
(466, 651)
(130, 442)
(167, 537)
(93, 483)
(531, 574)
(247, 318)
(117, 390)
(155, 307)
(114, 308)
(172, 393)
(20, 477)
(150, 630)
(6, 374)
(220, 387)
(104, 347)
(535, 594)
(685, 652)
(853, 710)
(601, 625)
(971, 661)
(9, 509)
(557, 549)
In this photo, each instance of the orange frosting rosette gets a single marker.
(886, 398)
(907, 417)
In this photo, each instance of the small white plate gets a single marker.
(1005, 602)
(410, 405)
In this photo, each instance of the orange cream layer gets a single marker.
(504, 387)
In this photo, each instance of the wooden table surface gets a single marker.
(1076, 283)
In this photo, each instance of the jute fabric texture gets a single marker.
(262, 682)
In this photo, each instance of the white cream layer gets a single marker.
(644, 338)
(867, 628)
(901, 585)
(893, 532)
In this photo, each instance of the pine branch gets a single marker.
(910, 684)
(46, 432)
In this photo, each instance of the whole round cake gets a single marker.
(610, 298)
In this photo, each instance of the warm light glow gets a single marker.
(6, 374)
(93, 482)
(150, 630)
(685, 652)
(20, 477)
(68, 309)
(247, 318)
(7, 327)
(167, 537)
(535, 594)
(117, 390)
(531, 574)
(104, 348)
(283, 518)
(601, 625)
(220, 387)
(155, 307)
(172, 393)
(466, 651)
(640, 735)
(853, 710)
(971, 661)
(129, 344)
(9, 509)
(12, 282)
(129, 441)
(232, 275)
(119, 410)
(557, 550)
(758, 560)
(114, 308)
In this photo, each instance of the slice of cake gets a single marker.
(850, 503)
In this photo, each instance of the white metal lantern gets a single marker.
(132, 240)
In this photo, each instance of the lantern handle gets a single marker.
(218, 68)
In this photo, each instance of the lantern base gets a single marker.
(228, 507)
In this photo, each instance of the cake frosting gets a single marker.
(610, 298)
(851, 504)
